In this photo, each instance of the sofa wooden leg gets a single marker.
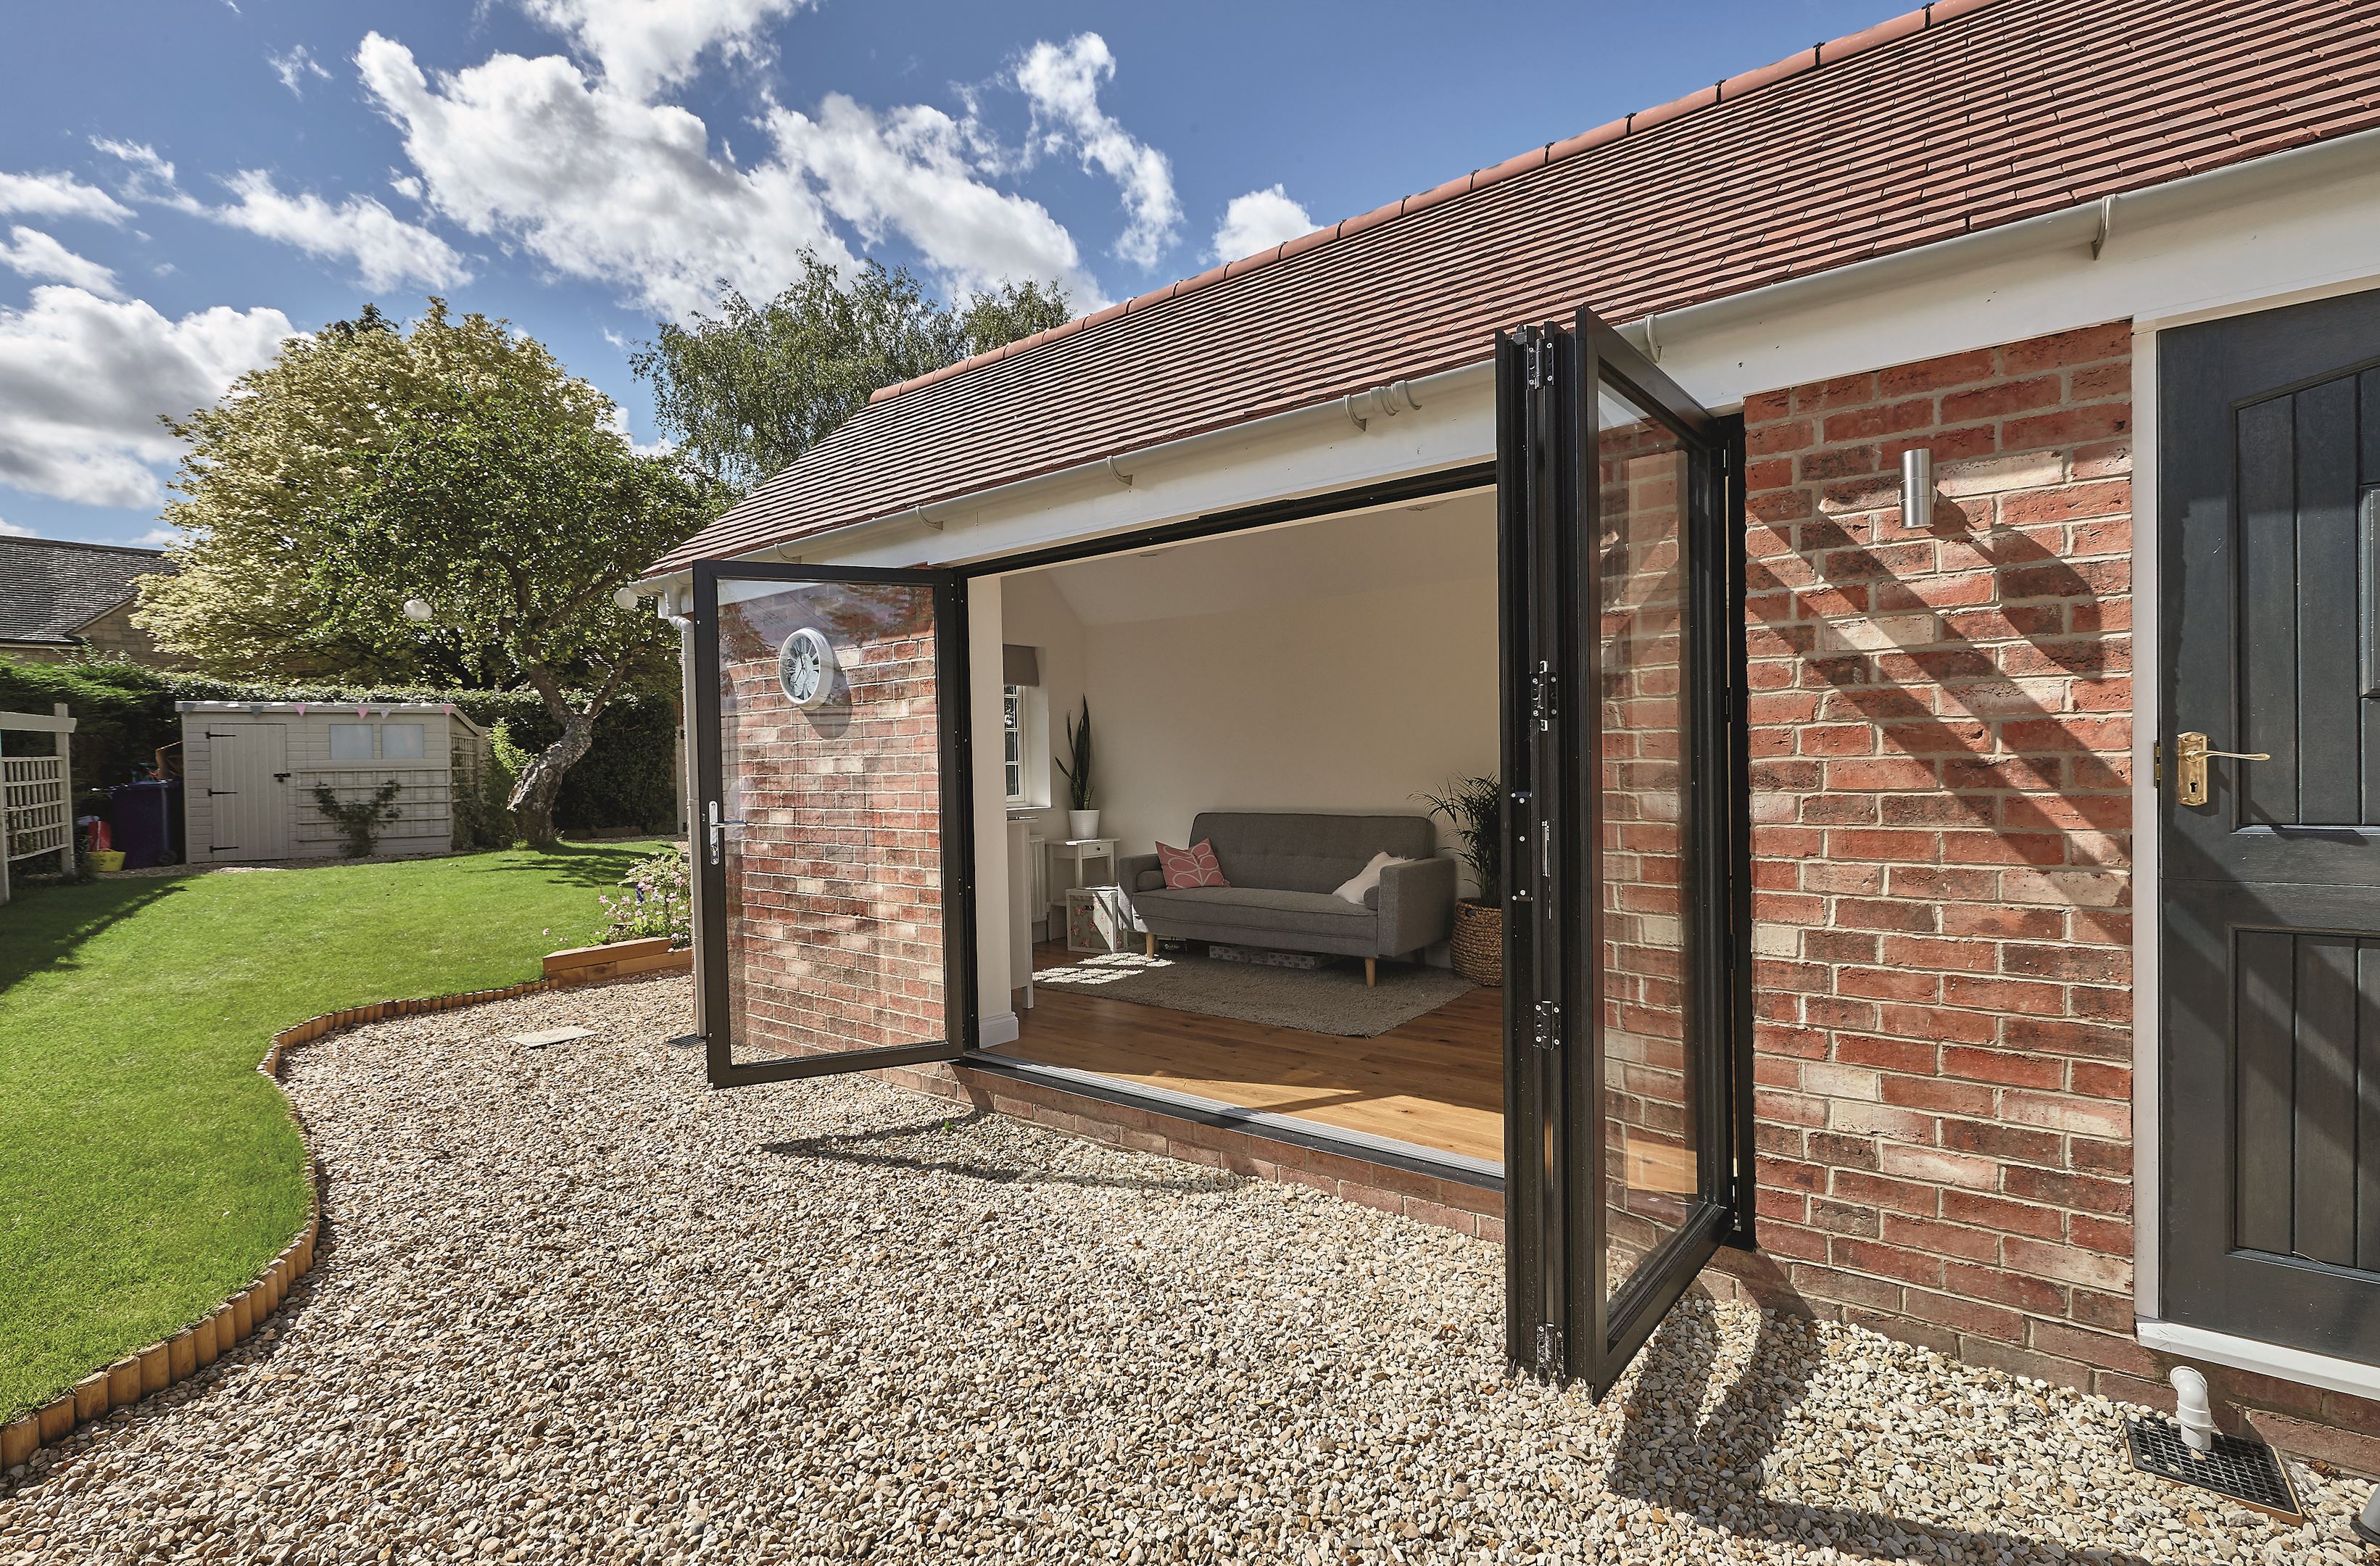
(1150, 936)
(1371, 972)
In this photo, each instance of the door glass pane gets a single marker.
(830, 787)
(1643, 473)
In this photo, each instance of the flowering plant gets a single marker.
(655, 898)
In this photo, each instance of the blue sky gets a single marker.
(184, 182)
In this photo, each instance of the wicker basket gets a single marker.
(1479, 942)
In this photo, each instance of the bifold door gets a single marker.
(831, 837)
(1625, 1163)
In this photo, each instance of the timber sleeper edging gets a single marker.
(150, 1370)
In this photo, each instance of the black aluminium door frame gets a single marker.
(714, 1016)
(1560, 1319)
(956, 835)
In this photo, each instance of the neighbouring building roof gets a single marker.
(1964, 116)
(51, 588)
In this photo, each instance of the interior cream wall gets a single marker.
(1340, 666)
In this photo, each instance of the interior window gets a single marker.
(351, 741)
(400, 742)
(1012, 743)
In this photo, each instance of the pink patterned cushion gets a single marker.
(1191, 867)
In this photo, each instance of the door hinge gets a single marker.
(1549, 1028)
(1541, 359)
(1542, 694)
(1549, 1349)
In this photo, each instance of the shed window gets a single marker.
(400, 742)
(351, 741)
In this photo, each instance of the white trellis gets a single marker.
(36, 794)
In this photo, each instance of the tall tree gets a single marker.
(517, 533)
(455, 462)
(747, 390)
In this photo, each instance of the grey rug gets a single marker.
(1333, 1000)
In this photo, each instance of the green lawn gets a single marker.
(146, 1169)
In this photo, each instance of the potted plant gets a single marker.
(1082, 818)
(1474, 807)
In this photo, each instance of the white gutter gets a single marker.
(1362, 408)
(2095, 224)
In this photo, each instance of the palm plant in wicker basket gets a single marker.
(1474, 807)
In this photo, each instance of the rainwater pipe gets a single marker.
(2191, 1410)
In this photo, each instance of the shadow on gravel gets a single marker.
(1742, 1430)
(848, 1147)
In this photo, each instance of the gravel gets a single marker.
(577, 1307)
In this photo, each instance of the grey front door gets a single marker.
(2269, 509)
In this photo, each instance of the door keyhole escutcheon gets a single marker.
(2189, 755)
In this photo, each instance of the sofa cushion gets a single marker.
(1258, 910)
(1296, 851)
(1193, 866)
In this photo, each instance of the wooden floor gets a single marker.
(1436, 1082)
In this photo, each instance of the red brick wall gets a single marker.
(834, 920)
(1941, 713)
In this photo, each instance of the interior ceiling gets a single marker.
(1445, 540)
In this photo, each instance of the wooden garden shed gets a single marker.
(251, 772)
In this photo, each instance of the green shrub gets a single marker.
(656, 898)
(358, 821)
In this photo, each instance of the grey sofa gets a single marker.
(1284, 869)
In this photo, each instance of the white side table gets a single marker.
(1079, 852)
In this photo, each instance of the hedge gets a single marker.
(125, 712)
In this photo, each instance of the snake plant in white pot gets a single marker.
(1082, 816)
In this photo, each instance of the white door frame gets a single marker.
(2148, 1127)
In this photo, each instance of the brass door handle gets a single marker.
(2190, 754)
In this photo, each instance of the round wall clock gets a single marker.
(804, 667)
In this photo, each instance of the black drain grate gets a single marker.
(2248, 1472)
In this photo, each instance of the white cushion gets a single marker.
(1368, 877)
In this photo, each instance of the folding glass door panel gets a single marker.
(832, 831)
(1624, 1162)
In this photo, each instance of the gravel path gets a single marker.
(581, 1308)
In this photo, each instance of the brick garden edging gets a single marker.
(182, 1356)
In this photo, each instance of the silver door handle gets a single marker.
(719, 826)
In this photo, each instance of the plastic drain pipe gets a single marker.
(2367, 1527)
(2191, 1411)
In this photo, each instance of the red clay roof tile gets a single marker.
(1823, 159)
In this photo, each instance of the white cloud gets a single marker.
(83, 381)
(32, 253)
(10, 531)
(1258, 221)
(161, 538)
(1062, 82)
(386, 251)
(295, 66)
(58, 195)
(599, 185)
(147, 176)
(908, 172)
(642, 45)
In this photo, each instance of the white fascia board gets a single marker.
(2323, 1371)
(2293, 224)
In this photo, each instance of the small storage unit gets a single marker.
(250, 769)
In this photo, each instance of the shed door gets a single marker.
(1626, 1161)
(833, 833)
(248, 790)
(2269, 468)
